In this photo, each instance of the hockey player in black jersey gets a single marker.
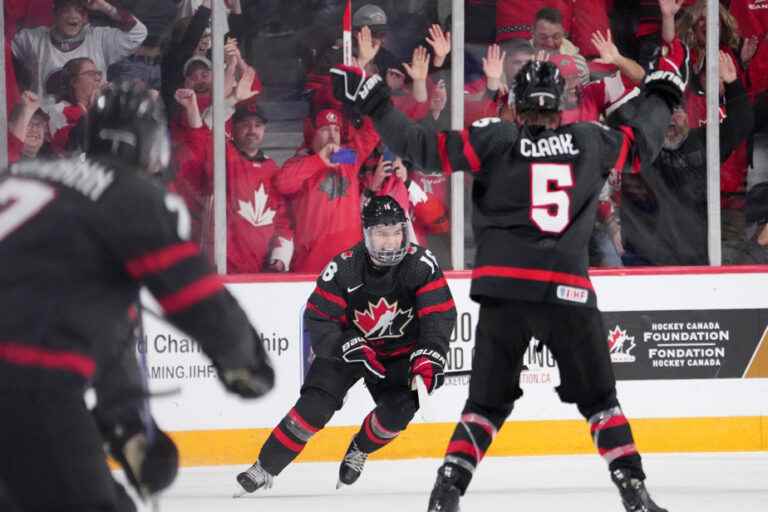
(535, 198)
(381, 311)
(78, 238)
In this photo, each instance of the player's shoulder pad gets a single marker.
(344, 266)
(489, 130)
(421, 266)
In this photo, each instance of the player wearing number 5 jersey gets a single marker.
(382, 312)
(78, 238)
(535, 199)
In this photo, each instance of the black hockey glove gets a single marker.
(252, 381)
(369, 95)
(670, 78)
(357, 350)
(429, 363)
(147, 455)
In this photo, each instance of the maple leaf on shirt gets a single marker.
(256, 212)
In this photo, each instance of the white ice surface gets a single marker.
(722, 482)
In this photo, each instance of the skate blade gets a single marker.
(340, 485)
(239, 494)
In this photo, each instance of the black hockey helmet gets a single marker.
(385, 211)
(127, 124)
(538, 87)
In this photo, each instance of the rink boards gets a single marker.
(689, 350)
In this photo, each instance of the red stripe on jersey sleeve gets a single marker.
(531, 274)
(437, 308)
(27, 355)
(469, 152)
(159, 260)
(342, 319)
(442, 152)
(331, 297)
(433, 285)
(191, 294)
(629, 136)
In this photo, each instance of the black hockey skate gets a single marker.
(445, 494)
(255, 478)
(352, 465)
(634, 495)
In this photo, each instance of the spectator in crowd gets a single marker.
(28, 130)
(191, 37)
(752, 18)
(144, 62)
(323, 187)
(44, 50)
(549, 36)
(259, 234)
(515, 19)
(75, 88)
(374, 17)
(663, 211)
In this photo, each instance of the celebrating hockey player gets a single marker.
(535, 198)
(381, 311)
(78, 238)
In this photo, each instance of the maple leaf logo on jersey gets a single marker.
(383, 320)
(620, 345)
(256, 212)
(335, 185)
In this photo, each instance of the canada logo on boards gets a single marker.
(383, 320)
(620, 345)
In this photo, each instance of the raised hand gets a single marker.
(609, 53)
(440, 42)
(244, 88)
(670, 7)
(418, 69)
(30, 101)
(367, 47)
(748, 49)
(493, 62)
(728, 72)
(186, 98)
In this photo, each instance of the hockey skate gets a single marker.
(634, 495)
(352, 465)
(445, 494)
(255, 478)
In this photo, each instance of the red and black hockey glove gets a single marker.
(428, 363)
(670, 77)
(368, 94)
(357, 350)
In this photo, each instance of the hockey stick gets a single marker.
(425, 411)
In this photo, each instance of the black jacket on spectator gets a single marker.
(179, 52)
(664, 208)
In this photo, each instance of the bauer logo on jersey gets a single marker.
(572, 294)
(620, 345)
(383, 320)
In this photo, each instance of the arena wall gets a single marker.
(689, 348)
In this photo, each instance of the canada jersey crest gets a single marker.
(383, 320)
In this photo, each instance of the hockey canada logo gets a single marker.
(383, 320)
(620, 346)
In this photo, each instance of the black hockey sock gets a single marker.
(286, 442)
(471, 439)
(373, 434)
(612, 436)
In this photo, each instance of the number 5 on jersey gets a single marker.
(550, 199)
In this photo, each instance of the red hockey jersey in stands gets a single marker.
(258, 222)
(325, 202)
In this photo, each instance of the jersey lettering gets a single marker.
(550, 200)
(20, 200)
